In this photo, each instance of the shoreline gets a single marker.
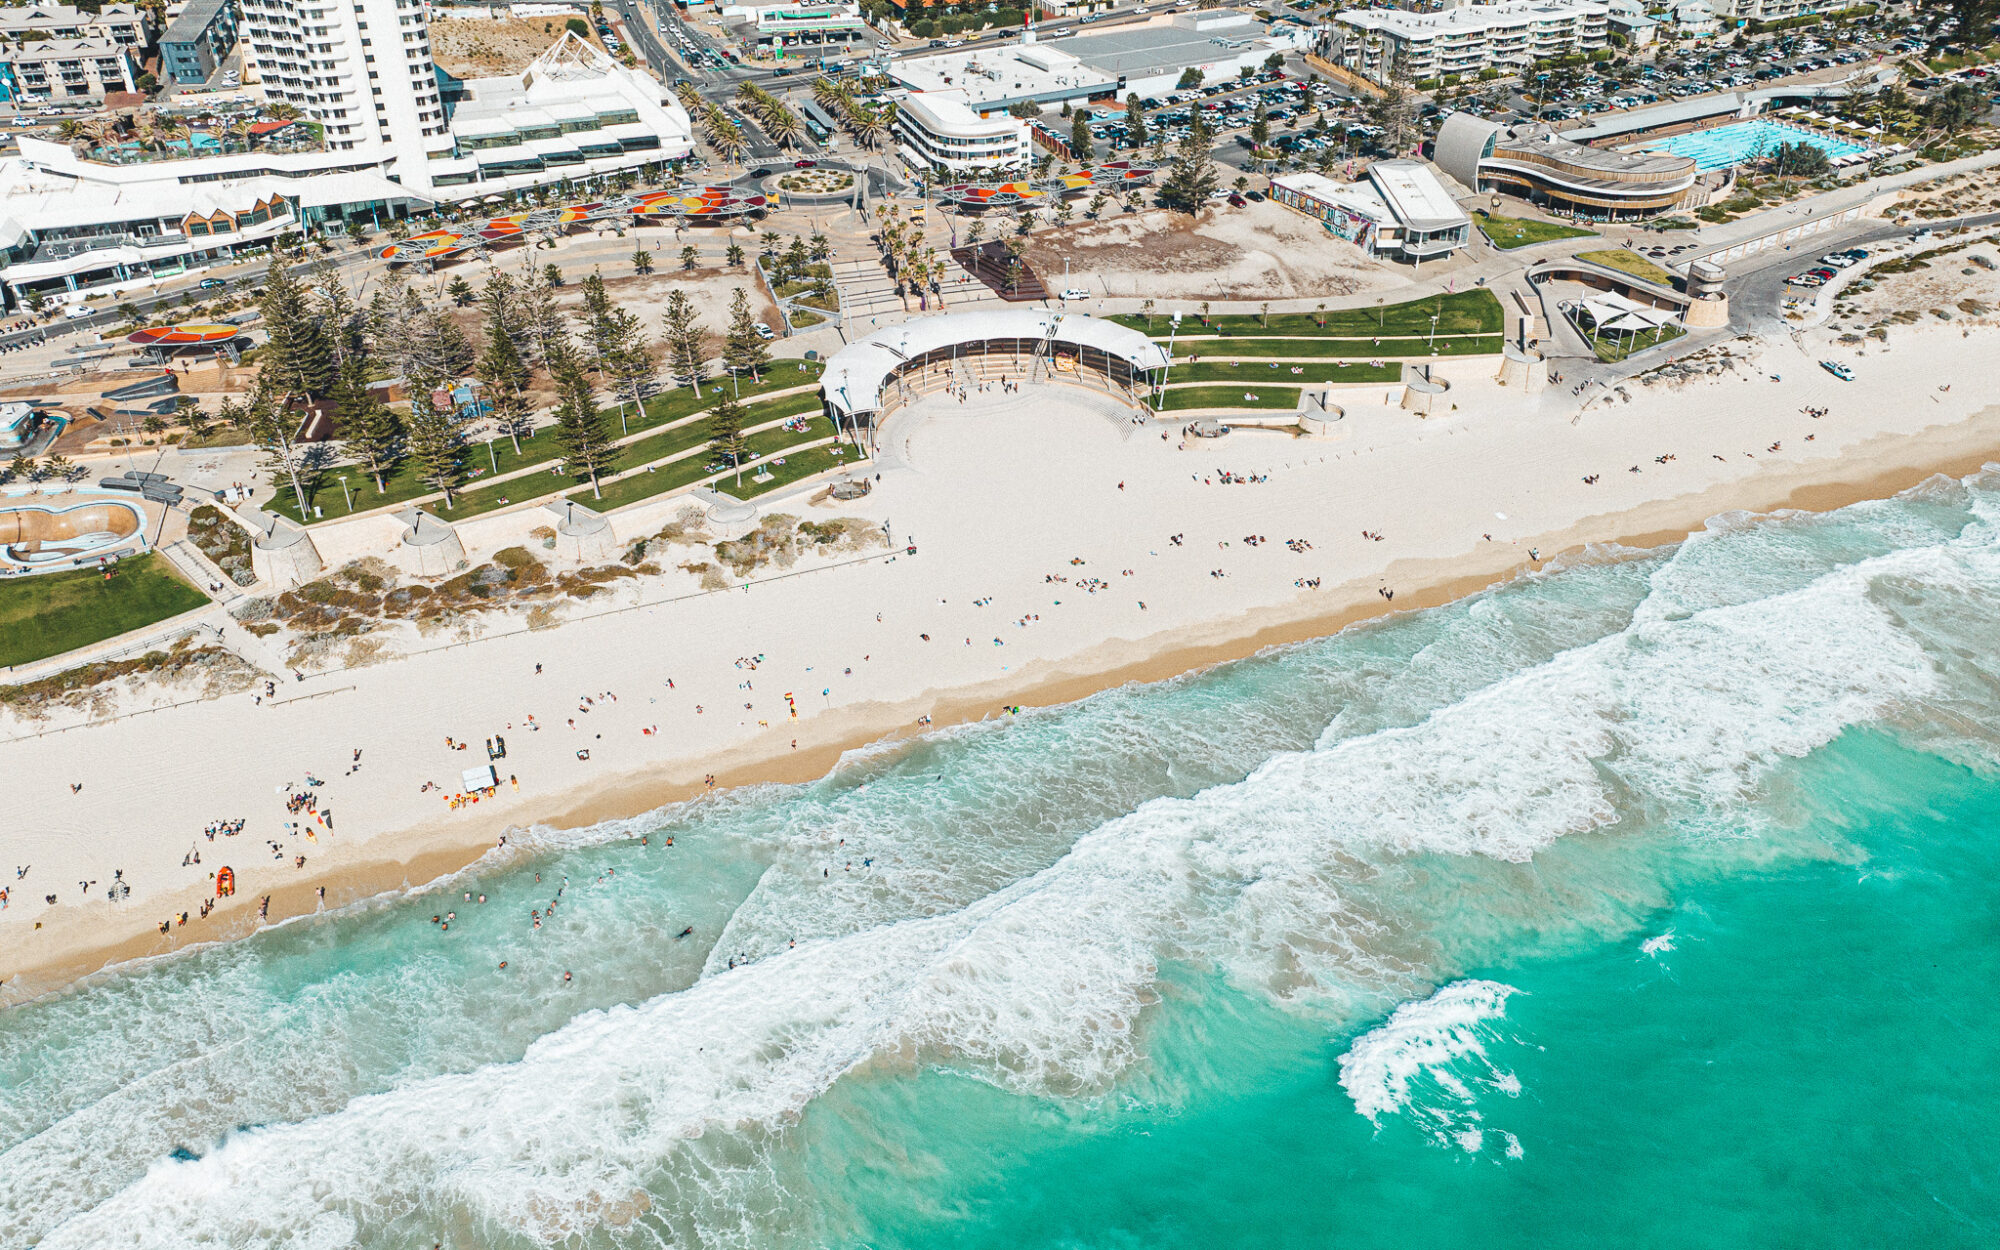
(437, 849)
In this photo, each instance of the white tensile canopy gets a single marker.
(856, 375)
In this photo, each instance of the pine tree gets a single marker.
(587, 448)
(1192, 177)
(271, 428)
(743, 349)
(370, 431)
(627, 362)
(685, 358)
(435, 443)
(540, 320)
(460, 291)
(441, 346)
(510, 414)
(337, 315)
(297, 360)
(500, 300)
(1079, 137)
(501, 366)
(725, 430)
(1135, 123)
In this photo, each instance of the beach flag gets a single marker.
(793, 707)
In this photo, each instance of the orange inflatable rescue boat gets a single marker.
(225, 882)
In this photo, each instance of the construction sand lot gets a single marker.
(1260, 251)
(469, 47)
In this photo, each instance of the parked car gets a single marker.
(76, 312)
(1838, 370)
(214, 284)
(763, 331)
(1075, 292)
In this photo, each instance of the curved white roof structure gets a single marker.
(855, 374)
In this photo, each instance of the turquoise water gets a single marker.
(1723, 146)
(1646, 902)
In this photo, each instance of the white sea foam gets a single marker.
(1659, 944)
(1419, 1043)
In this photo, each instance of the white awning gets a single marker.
(856, 374)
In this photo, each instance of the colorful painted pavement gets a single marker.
(689, 202)
(1110, 176)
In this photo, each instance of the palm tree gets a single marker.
(782, 125)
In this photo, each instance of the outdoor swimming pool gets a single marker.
(1738, 142)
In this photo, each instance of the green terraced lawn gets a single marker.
(1354, 349)
(798, 465)
(1189, 397)
(661, 409)
(1512, 232)
(50, 613)
(646, 485)
(1329, 371)
(1476, 311)
(1630, 262)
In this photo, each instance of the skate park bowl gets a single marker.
(51, 536)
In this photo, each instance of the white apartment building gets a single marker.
(61, 70)
(123, 24)
(1762, 10)
(361, 68)
(938, 132)
(1380, 44)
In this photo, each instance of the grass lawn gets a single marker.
(1476, 311)
(50, 613)
(661, 409)
(1352, 349)
(1616, 347)
(1187, 397)
(645, 485)
(1630, 262)
(1256, 372)
(1512, 232)
(798, 465)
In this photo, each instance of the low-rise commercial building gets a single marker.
(1403, 211)
(1146, 59)
(937, 132)
(1387, 44)
(198, 40)
(1531, 161)
(55, 71)
(799, 28)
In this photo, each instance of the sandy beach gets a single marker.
(1058, 551)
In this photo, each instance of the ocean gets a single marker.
(1648, 901)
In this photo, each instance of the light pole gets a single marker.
(347, 492)
(1432, 342)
